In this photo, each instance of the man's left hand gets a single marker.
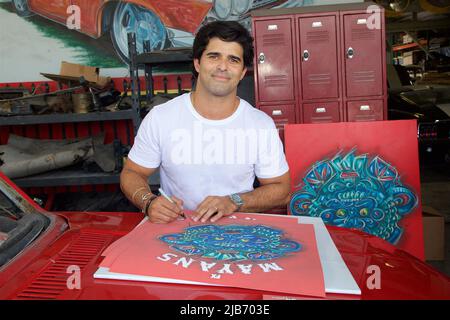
(214, 208)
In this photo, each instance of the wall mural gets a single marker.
(359, 176)
(41, 33)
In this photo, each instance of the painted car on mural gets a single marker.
(42, 253)
(165, 23)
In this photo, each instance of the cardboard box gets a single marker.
(71, 73)
(91, 74)
(412, 57)
(433, 234)
(408, 58)
(407, 39)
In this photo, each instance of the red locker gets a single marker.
(365, 110)
(318, 55)
(326, 62)
(282, 115)
(363, 61)
(274, 60)
(321, 112)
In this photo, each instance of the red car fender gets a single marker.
(12, 185)
(185, 15)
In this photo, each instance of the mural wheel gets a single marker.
(21, 7)
(144, 23)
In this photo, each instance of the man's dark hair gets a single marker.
(228, 31)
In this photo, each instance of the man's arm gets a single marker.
(272, 193)
(133, 182)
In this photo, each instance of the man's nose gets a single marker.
(222, 64)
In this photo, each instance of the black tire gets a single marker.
(21, 8)
(128, 17)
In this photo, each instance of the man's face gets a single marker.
(220, 67)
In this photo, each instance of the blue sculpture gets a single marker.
(354, 191)
(232, 242)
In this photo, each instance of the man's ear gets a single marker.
(244, 71)
(197, 65)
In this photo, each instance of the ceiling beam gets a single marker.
(417, 25)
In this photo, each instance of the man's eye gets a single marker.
(234, 60)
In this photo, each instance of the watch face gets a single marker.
(237, 199)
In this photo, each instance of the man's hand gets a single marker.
(162, 210)
(214, 208)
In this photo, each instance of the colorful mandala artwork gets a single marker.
(232, 242)
(356, 191)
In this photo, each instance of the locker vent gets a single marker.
(319, 78)
(274, 39)
(51, 282)
(276, 81)
(317, 36)
(365, 117)
(363, 34)
(324, 119)
(363, 76)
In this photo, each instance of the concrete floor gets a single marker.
(435, 188)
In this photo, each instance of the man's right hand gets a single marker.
(162, 210)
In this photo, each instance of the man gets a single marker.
(209, 144)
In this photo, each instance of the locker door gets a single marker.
(318, 53)
(363, 57)
(274, 64)
(365, 110)
(281, 115)
(321, 112)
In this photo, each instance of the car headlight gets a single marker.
(241, 6)
(222, 8)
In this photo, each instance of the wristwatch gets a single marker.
(237, 200)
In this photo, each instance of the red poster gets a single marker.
(362, 175)
(263, 252)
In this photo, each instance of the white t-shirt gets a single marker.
(199, 157)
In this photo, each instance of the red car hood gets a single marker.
(41, 272)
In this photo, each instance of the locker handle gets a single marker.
(261, 58)
(350, 52)
(277, 112)
(364, 108)
(321, 110)
(305, 56)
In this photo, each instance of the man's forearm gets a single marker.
(265, 198)
(135, 187)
